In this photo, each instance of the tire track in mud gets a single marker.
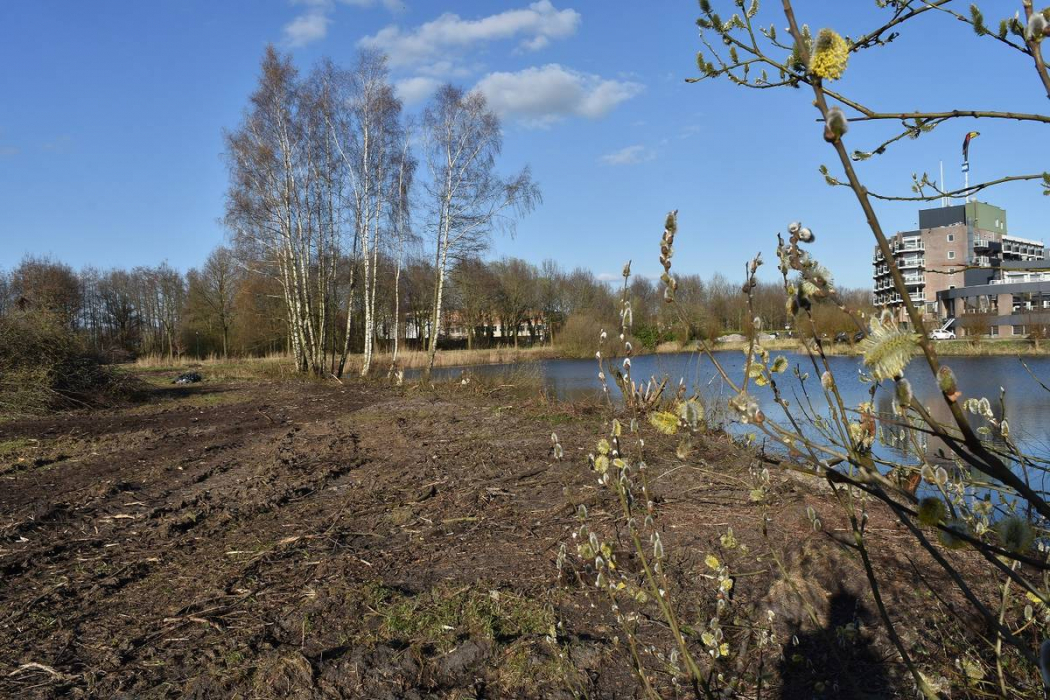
(148, 506)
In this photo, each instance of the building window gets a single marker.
(1019, 330)
(993, 330)
(951, 255)
(951, 237)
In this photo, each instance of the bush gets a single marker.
(579, 337)
(44, 366)
(648, 336)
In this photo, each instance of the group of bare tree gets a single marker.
(321, 197)
(145, 310)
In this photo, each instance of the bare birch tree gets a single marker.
(402, 230)
(367, 133)
(281, 203)
(468, 199)
(377, 114)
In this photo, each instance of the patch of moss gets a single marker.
(528, 664)
(8, 447)
(440, 617)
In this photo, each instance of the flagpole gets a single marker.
(944, 198)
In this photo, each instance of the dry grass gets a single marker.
(417, 359)
(279, 366)
(165, 362)
(997, 347)
(158, 368)
(674, 346)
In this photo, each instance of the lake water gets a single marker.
(1027, 404)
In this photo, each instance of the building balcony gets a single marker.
(911, 245)
(911, 262)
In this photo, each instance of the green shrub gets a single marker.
(648, 336)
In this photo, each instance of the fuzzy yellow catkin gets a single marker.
(1015, 533)
(932, 511)
(830, 55)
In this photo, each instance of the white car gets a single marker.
(941, 334)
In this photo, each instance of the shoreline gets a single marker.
(415, 360)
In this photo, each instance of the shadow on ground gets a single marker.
(836, 661)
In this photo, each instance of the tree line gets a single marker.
(225, 308)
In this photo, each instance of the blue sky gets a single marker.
(112, 118)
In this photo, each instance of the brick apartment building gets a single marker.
(962, 264)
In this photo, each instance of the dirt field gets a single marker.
(306, 540)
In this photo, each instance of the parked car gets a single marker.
(941, 334)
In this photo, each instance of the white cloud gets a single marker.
(446, 69)
(391, 5)
(312, 25)
(536, 25)
(307, 28)
(536, 43)
(543, 95)
(630, 155)
(417, 89)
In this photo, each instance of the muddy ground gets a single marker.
(307, 540)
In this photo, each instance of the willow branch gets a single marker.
(871, 115)
(991, 465)
(1035, 48)
(874, 38)
(959, 193)
(966, 20)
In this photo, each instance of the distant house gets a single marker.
(454, 327)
